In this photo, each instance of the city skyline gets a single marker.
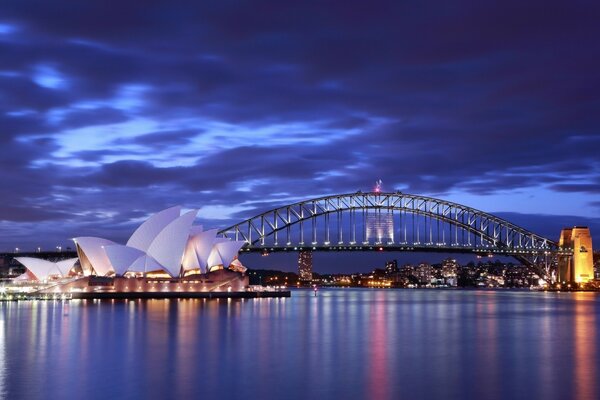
(235, 112)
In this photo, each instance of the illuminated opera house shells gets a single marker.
(43, 270)
(166, 243)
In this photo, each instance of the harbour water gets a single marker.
(344, 343)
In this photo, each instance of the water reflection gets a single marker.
(3, 363)
(379, 348)
(371, 344)
(584, 336)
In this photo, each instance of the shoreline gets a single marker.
(147, 295)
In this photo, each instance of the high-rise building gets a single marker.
(450, 271)
(380, 226)
(425, 273)
(391, 267)
(579, 267)
(305, 265)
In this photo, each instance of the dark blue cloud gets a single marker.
(108, 113)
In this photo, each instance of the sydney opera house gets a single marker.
(39, 270)
(166, 254)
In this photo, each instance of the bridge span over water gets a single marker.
(377, 221)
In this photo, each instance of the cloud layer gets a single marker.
(108, 113)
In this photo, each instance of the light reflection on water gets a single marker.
(347, 343)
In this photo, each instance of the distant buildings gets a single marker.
(425, 274)
(447, 274)
(391, 267)
(305, 266)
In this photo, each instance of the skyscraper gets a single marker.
(305, 266)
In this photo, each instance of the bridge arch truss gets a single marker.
(387, 221)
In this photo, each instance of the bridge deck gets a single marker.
(405, 248)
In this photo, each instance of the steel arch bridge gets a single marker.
(397, 221)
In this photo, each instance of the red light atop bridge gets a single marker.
(378, 185)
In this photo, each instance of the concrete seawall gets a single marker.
(179, 295)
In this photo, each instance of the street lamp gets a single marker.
(59, 248)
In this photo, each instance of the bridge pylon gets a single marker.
(577, 267)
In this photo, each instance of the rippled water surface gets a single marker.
(345, 344)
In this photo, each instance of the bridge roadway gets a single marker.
(400, 247)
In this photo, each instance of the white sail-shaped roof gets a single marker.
(214, 259)
(146, 263)
(64, 266)
(93, 250)
(143, 236)
(166, 241)
(169, 245)
(139, 265)
(228, 251)
(122, 257)
(203, 244)
(196, 229)
(198, 249)
(41, 269)
(190, 258)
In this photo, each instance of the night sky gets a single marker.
(110, 111)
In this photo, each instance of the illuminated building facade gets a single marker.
(391, 267)
(579, 267)
(380, 226)
(305, 266)
(425, 273)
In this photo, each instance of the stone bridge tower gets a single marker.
(579, 267)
